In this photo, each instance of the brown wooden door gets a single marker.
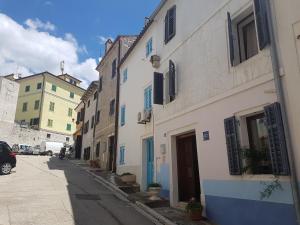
(187, 165)
(111, 154)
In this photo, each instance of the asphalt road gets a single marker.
(47, 191)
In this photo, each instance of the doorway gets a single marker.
(149, 160)
(111, 143)
(78, 147)
(187, 168)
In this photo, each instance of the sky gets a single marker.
(36, 35)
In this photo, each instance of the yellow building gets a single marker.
(47, 102)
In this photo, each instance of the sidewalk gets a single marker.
(160, 211)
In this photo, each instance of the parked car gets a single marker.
(25, 149)
(51, 148)
(7, 158)
(36, 150)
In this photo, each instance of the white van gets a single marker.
(51, 148)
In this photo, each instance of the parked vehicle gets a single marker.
(7, 158)
(36, 150)
(25, 149)
(51, 148)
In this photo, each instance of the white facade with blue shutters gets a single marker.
(218, 104)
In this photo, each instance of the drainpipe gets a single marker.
(42, 102)
(95, 117)
(114, 166)
(280, 94)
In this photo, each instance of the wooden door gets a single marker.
(187, 165)
(111, 154)
(150, 160)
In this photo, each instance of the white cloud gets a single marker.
(102, 39)
(29, 51)
(37, 24)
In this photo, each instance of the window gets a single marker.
(37, 104)
(170, 24)
(266, 151)
(50, 123)
(112, 107)
(69, 127)
(123, 109)
(170, 83)
(149, 47)
(39, 86)
(89, 102)
(148, 98)
(27, 88)
(24, 108)
(95, 95)
(51, 106)
(34, 121)
(53, 87)
(248, 32)
(158, 88)
(71, 94)
(67, 139)
(98, 117)
(98, 149)
(86, 127)
(48, 136)
(93, 121)
(125, 74)
(122, 155)
(114, 68)
(70, 112)
(100, 84)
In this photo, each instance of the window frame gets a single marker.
(54, 88)
(69, 127)
(122, 155)
(149, 47)
(70, 112)
(114, 68)
(39, 86)
(123, 115)
(27, 88)
(72, 95)
(148, 98)
(52, 109)
(169, 36)
(25, 107)
(50, 123)
(36, 104)
(125, 75)
(112, 107)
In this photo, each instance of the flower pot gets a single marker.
(128, 178)
(195, 215)
(154, 193)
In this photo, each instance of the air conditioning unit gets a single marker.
(147, 116)
(155, 60)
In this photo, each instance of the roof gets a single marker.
(92, 87)
(68, 75)
(111, 47)
(145, 28)
(47, 73)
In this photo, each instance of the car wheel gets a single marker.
(49, 153)
(6, 168)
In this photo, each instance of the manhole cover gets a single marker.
(87, 197)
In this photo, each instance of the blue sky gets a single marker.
(84, 23)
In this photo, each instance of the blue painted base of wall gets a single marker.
(232, 211)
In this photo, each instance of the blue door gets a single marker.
(150, 160)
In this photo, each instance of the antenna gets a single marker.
(62, 66)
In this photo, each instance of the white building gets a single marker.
(89, 99)
(213, 70)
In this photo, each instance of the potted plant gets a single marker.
(194, 210)
(128, 178)
(154, 190)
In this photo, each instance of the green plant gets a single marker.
(154, 185)
(256, 160)
(193, 206)
(126, 174)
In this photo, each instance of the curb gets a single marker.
(140, 207)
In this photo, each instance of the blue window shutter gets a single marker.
(277, 143)
(262, 23)
(230, 37)
(122, 155)
(150, 97)
(158, 88)
(233, 147)
(123, 115)
(125, 72)
(172, 79)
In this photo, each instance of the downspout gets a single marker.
(95, 118)
(42, 102)
(114, 166)
(280, 94)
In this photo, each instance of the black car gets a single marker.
(7, 158)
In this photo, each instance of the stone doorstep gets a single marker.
(161, 213)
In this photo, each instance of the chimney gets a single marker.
(108, 44)
(146, 21)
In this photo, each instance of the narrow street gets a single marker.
(47, 191)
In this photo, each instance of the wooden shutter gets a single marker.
(158, 88)
(262, 23)
(172, 22)
(230, 38)
(277, 144)
(233, 147)
(172, 79)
